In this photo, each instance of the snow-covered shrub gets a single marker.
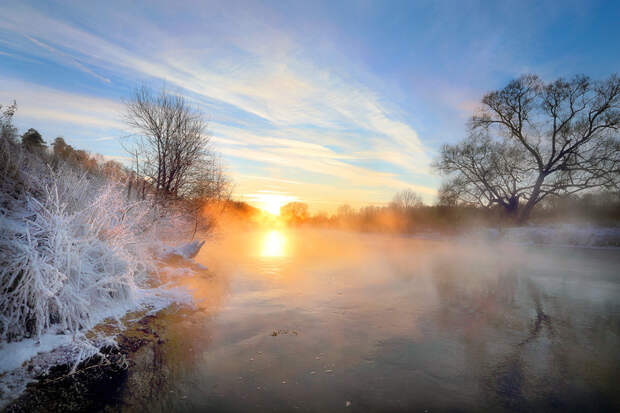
(71, 246)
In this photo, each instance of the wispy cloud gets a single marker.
(294, 112)
(37, 102)
(122, 159)
(70, 60)
(341, 172)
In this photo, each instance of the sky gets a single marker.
(324, 102)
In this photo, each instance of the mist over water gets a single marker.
(316, 320)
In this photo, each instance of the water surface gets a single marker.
(330, 321)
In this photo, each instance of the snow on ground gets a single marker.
(13, 355)
(553, 235)
(22, 360)
(564, 235)
(186, 251)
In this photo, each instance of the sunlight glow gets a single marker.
(271, 202)
(274, 243)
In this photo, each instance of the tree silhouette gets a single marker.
(531, 140)
(32, 140)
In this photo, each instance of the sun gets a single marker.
(271, 202)
(274, 244)
(273, 206)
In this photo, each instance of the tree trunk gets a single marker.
(511, 207)
(195, 225)
(532, 201)
(129, 184)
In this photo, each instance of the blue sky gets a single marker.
(325, 102)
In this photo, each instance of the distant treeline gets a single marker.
(599, 209)
(59, 152)
(591, 208)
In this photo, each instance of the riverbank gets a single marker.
(98, 381)
(125, 377)
(64, 357)
(374, 323)
(559, 235)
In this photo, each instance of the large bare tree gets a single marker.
(170, 146)
(531, 140)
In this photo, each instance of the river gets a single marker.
(312, 320)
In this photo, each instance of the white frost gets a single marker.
(13, 355)
(186, 251)
(74, 251)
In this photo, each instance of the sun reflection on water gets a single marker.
(274, 244)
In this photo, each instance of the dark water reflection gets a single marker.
(326, 321)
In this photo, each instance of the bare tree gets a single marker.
(533, 139)
(294, 212)
(207, 181)
(406, 199)
(345, 210)
(171, 147)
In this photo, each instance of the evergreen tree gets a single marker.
(32, 140)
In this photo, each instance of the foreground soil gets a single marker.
(99, 382)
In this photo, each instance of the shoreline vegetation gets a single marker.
(589, 220)
(82, 244)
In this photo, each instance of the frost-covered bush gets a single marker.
(71, 246)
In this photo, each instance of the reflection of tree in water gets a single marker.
(479, 297)
(508, 378)
(167, 347)
(523, 347)
(547, 370)
(494, 298)
(542, 319)
(474, 295)
(163, 367)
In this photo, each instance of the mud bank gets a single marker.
(101, 383)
